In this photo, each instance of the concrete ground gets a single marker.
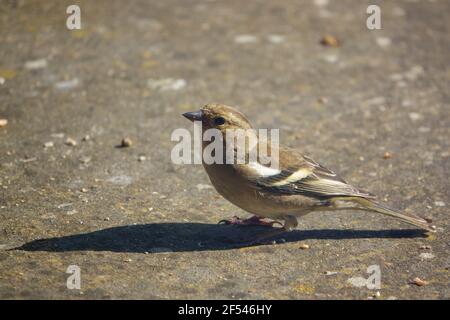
(376, 109)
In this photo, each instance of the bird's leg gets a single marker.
(290, 223)
(252, 221)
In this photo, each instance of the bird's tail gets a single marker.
(360, 203)
(375, 206)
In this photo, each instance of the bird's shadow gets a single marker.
(181, 237)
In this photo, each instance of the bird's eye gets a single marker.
(219, 121)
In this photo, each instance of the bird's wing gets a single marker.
(299, 174)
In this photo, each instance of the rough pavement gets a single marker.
(139, 226)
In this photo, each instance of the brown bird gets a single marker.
(299, 185)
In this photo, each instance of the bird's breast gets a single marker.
(248, 197)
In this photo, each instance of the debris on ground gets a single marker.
(70, 142)
(202, 186)
(426, 256)
(126, 142)
(439, 203)
(48, 144)
(419, 282)
(387, 155)
(166, 84)
(330, 41)
(85, 160)
(36, 64)
(322, 100)
(67, 84)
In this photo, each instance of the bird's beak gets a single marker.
(194, 115)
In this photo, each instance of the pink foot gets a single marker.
(253, 221)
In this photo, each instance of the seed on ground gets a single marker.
(322, 100)
(126, 142)
(330, 41)
(419, 282)
(387, 155)
(71, 142)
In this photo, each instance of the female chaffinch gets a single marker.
(298, 186)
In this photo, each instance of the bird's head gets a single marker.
(220, 117)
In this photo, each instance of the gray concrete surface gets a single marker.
(148, 229)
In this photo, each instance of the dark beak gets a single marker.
(194, 115)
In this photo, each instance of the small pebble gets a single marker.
(330, 273)
(57, 135)
(67, 84)
(71, 142)
(166, 84)
(36, 64)
(126, 142)
(329, 41)
(419, 282)
(3, 123)
(426, 256)
(383, 42)
(387, 155)
(25, 160)
(71, 212)
(142, 158)
(84, 190)
(304, 246)
(439, 203)
(414, 116)
(322, 100)
(245, 38)
(127, 260)
(2, 80)
(201, 186)
(85, 160)
(107, 219)
(275, 39)
(331, 58)
(425, 247)
(64, 205)
(48, 144)
(86, 138)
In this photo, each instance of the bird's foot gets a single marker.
(253, 221)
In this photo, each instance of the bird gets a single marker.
(298, 186)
